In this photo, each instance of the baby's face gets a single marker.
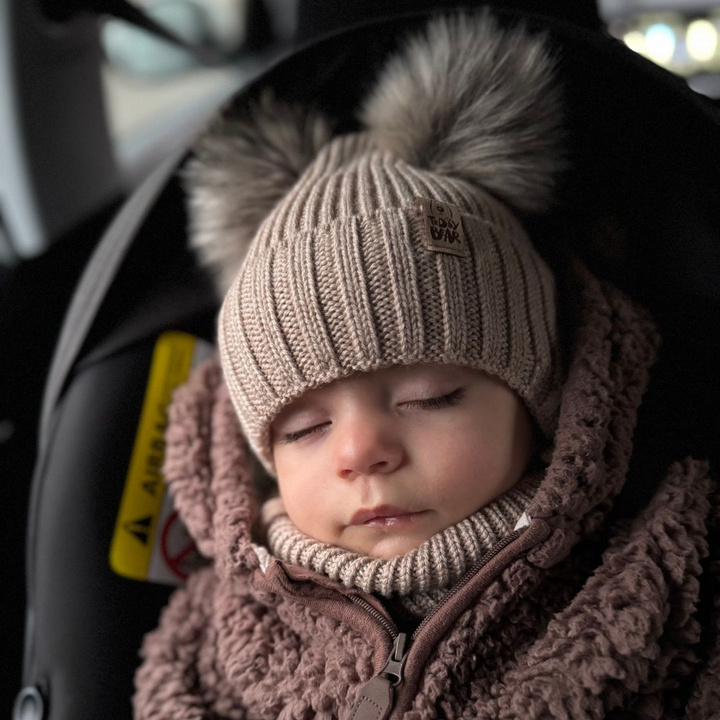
(379, 462)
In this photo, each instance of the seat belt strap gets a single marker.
(94, 284)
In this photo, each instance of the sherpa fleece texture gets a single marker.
(577, 618)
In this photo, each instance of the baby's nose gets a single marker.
(366, 446)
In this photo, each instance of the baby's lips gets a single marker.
(379, 512)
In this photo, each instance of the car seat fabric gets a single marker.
(97, 278)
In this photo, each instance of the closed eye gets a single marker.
(437, 402)
(432, 403)
(297, 434)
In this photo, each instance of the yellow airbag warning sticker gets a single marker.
(149, 541)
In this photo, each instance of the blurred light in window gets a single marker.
(635, 40)
(660, 43)
(702, 40)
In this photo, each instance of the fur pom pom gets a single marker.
(472, 100)
(240, 170)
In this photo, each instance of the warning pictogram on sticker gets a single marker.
(139, 528)
(150, 542)
(178, 550)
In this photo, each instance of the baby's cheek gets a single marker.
(475, 455)
(307, 507)
(477, 473)
(294, 498)
(297, 504)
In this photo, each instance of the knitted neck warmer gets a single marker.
(420, 578)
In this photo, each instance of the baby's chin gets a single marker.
(384, 545)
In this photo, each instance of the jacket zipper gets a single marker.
(375, 701)
(370, 610)
(484, 560)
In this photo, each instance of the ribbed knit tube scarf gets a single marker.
(421, 577)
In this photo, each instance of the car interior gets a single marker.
(104, 310)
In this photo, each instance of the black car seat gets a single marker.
(144, 312)
(141, 315)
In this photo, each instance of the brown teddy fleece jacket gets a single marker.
(570, 617)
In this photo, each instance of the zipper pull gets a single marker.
(376, 698)
(395, 664)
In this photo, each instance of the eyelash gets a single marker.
(434, 403)
(437, 402)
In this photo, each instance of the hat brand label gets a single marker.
(443, 227)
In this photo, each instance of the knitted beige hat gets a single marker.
(395, 245)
